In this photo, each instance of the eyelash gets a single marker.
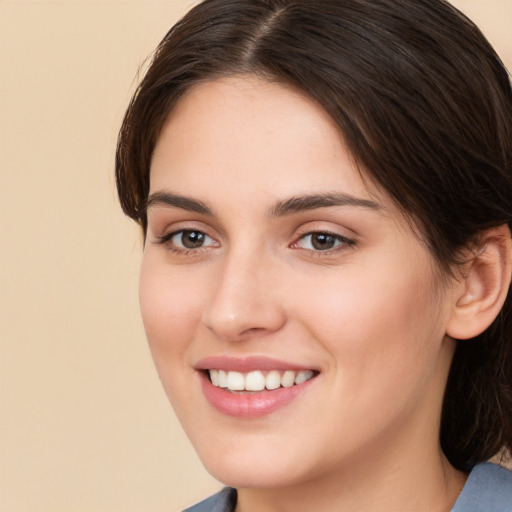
(341, 242)
(166, 240)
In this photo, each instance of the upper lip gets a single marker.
(247, 364)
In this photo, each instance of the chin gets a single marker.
(256, 462)
(246, 474)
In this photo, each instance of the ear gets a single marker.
(482, 290)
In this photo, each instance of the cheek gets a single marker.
(171, 313)
(384, 337)
(375, 323)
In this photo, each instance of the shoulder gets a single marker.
(488, 489)
(223, 501)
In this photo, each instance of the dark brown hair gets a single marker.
(425, 106)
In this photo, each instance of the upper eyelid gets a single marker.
(327, 231)
(339, 233)
(321, 227)
(338, 236)
(160, 228)
(172, 233)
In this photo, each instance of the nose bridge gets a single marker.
(243, 299)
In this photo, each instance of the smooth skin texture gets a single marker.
(366, 309)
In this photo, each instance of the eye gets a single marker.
(188, 239)
(322, 241)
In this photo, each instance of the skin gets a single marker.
(370, 314)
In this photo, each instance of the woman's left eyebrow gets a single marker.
(313, 201)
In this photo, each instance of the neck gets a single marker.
(428, 484)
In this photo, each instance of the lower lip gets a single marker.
(251, 405)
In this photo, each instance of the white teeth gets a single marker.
(303, 376)
(273, 380)
(223, 379)
(235, 381)
(288, 379)
(257, 381)
(214, 377)
(254, 381)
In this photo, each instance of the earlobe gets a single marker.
(483, 288)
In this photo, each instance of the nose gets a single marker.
(243, 301)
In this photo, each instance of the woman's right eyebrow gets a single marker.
(163, 198)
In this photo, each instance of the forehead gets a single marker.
(255, 132)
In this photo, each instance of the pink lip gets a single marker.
(246, 364)
(249, 404)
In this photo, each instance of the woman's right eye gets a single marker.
(187, 239)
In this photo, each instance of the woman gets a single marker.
(325, 192)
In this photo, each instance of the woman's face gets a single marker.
(267, 260)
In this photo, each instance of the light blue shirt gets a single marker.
(488, 489)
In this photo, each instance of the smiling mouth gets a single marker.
(258, 380)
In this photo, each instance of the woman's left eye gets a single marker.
(322, 241)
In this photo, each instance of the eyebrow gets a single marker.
(313, 201)
(177, 201)
(289, 206)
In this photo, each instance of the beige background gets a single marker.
(84, 425)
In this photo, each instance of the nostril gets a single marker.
(241, 306)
